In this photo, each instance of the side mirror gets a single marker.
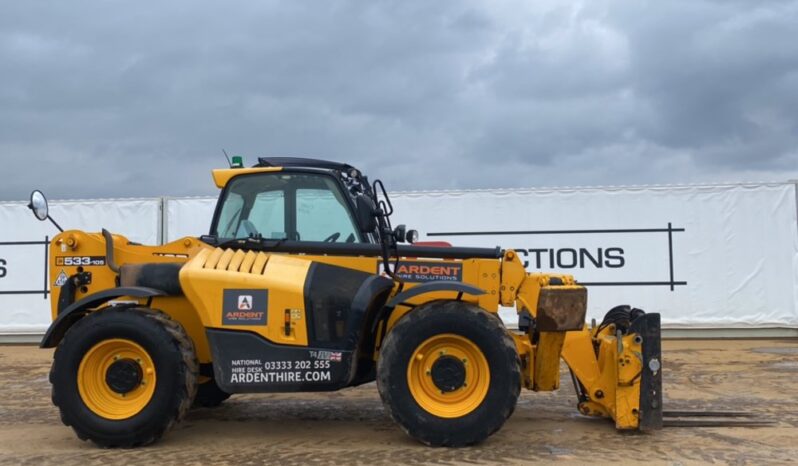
(38, 204)
(366, 210)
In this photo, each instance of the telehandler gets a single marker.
(303, 284)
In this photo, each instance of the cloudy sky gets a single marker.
(120, 98)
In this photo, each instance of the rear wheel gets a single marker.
(449, 374)
(122, 377)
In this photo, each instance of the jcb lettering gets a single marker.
(3, 269)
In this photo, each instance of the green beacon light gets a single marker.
(238, 162)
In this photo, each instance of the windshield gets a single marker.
(295, 206)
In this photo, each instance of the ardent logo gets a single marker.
(242, 315)
(440, 270)
(245, 307)
(245, 302)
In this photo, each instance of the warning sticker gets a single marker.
(61, 279)
(245, 307)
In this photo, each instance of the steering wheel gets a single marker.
(332, 237)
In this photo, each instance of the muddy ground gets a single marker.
(351, 427)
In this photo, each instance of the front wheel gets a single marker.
(121, 377)
(449, 374)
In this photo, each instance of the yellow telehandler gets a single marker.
(303, 284)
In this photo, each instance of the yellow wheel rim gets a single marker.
(93, 383)
(449, 402)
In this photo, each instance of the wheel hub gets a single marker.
(123, 376)
(116, 378)
(448, 373)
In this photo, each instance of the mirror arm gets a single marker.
(56, 224)
(385, 234)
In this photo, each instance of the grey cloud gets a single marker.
(134, 99)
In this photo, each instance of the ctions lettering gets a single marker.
(586, 258)
(572, 258)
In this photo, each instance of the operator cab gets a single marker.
(299, 206)
(295, 199)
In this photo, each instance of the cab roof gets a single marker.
(271, 164)
(301, 162)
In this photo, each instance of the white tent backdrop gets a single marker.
(722, 256)
(23, 307)
(188, 216)
(711, 256)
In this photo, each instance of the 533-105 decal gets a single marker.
(83, 261)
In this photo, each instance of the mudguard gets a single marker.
(77, 310)
(458, 287)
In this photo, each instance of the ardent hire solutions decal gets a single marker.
(245, 307)
(429, 271)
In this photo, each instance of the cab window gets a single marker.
(321, 215)
(296, 206)
(267, 216)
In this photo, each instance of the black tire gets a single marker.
(622, 317)
(209, 395)
(176, 367)
(482, 329)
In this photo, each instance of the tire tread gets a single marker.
(390, 351)
(188, 372)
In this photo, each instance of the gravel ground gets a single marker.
(351, 427)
